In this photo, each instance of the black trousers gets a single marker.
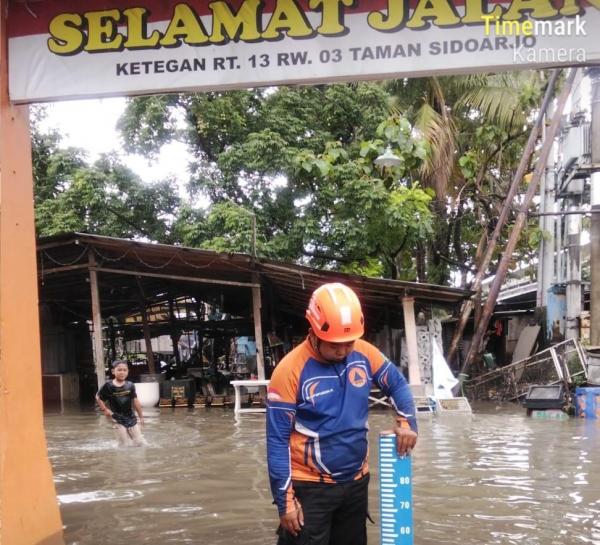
(334, 514)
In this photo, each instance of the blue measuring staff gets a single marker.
(395, 494)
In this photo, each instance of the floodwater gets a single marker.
(494, 477)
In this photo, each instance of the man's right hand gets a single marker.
(293, 520)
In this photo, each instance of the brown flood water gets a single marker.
(496, 477)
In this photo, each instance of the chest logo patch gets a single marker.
(357, 377)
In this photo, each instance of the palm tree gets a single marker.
(473, 126)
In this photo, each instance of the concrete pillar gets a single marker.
(410, 330)
(594, 74)
(574, 222)
(546, 265)
(28, 508)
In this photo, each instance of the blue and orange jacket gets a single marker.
(317, 416)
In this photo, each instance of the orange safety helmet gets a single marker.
(335, 314)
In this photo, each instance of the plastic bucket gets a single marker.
(587, 403)
(148, 393)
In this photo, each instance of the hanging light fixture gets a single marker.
(388, 159)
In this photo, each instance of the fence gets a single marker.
(563, 362)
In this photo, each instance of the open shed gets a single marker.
(94, 287)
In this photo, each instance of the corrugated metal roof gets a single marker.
(63, 263)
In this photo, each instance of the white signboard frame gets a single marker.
(61, 50)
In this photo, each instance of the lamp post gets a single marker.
(388, 160)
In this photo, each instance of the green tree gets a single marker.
(301, 161)
(105, 198)
(371, 217)
(474, 128)
(295, 158)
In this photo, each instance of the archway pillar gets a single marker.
(28, 506)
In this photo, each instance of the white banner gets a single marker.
(60, 49)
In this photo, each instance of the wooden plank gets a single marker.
(96, 323)
(258, 338)
(177, 277)
(54, 270)
(146, 329)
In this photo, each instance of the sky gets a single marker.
(91, 125)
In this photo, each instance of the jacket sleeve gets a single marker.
(281, 411)
(393, 384)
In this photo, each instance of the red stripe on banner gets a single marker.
(27, 18)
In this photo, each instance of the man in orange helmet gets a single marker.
(317, 407)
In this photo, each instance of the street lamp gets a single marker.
(388, 159)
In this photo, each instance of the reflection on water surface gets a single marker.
(496, 477)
